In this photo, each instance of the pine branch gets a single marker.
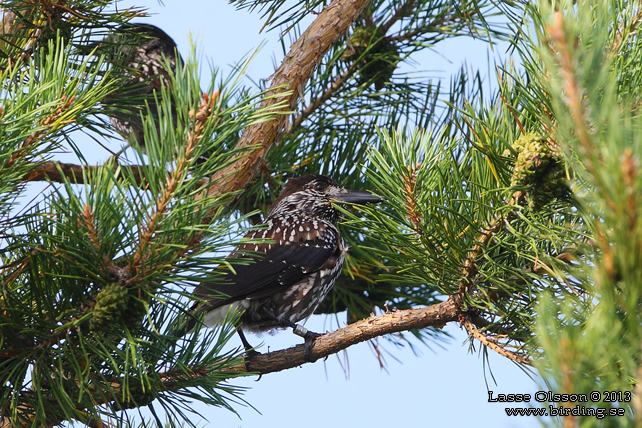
(149, 229)
(341, 80)
(297, 67)
(172, 380)
(436, 316)
(470, 272)
(59, 172)
(470, 268)
(48, 122)
(443, 21)
(492, 344)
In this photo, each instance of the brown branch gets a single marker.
(58, 172)
(410, 34)
(470, 272)
(432, 316)
(297, 67)
(470, 320)
(436, 316)
(341, 80)
(451, 19)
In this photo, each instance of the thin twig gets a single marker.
(486, 341)
(430, 27)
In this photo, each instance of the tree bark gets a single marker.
(58, 172)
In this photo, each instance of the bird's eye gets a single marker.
(319, 186)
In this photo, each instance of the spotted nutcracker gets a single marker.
(139, 52)
(287, 278)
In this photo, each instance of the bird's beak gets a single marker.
(357, 197)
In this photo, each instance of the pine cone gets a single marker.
(111, 302)
(378, 63)
(540, 166)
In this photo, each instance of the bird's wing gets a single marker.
(284, 264)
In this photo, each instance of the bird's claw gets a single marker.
(309, 337)
(249, 354)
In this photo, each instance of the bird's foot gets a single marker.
(309, 337)
(249, 354)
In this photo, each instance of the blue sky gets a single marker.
(443, 386)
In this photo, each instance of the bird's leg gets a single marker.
(308, 336)
(249, 350)
(299, 330)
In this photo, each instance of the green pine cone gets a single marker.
(111, 302)
(540, 166)
(552, 185)
(379, 62)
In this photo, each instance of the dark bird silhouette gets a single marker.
(140, 53)
(289, 277)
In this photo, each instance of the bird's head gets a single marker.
(313, 195)
(141, 39)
